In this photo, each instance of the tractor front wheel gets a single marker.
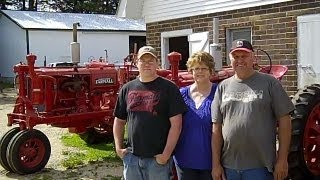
(4, 142)
(304, 156)
(28, 151)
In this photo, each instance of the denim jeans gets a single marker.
(137, 168)
(248, 174)
(193, 174)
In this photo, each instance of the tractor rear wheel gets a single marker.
(96, 135)
(28, 151)
(304, 156)
(4, 141)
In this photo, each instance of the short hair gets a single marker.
(201, 57)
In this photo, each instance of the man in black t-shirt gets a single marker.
(152, 107)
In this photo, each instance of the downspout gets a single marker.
(27, 41)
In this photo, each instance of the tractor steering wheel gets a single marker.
(270, 61)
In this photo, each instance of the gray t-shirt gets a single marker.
(248, 111)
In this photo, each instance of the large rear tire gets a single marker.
(304, 156)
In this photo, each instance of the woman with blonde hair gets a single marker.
(193, 156)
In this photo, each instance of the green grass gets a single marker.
(84, 153)
(5, 85)
(111, 178)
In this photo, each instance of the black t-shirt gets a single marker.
(147, 108)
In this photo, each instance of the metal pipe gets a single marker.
(215, 32)
(75, 30)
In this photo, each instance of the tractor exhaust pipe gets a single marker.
(215, 47)
(75, 46)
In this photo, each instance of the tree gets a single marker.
(87, 6)
(19, 5)
(33, 5)
(70, 6)
(3, 4)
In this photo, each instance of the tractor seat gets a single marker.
(277, 71)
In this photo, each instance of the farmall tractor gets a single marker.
(78, 98)
(304, 156)
(82, 99)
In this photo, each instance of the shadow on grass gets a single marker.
(7, 100)
(102, 146)
(8, 96)
(94, 170)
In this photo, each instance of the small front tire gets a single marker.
(28, 151)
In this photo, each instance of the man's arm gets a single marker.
(284, 137)
(284, 133)
(216, 144)
(172, 139)
(118, 134)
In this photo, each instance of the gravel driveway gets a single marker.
(53, 169)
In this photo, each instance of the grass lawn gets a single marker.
(5, 85)
(85, 153)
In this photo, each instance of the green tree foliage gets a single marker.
(19, 4)
(87, 6)
(70, 6)
(3, 4)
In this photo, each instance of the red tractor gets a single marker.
(78, 98)
(304, 156)
(81, 99)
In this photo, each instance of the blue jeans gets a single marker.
(137, 168)
(248, 174)
(193, 174)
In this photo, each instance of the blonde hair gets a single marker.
(201, 57)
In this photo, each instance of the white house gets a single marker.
(48, 35)
(286, 29)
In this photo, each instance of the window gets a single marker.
(233, 34)
(139, 40)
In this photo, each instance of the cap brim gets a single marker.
(140, 55)
(241, 49)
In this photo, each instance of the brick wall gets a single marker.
(274, 29)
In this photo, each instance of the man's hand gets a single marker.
(162, 158)
(218, 173)
(121, 152)
(284, 132)
(280, 170)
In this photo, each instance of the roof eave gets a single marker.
(95, 30)
(14, 21)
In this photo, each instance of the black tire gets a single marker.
(307, 104)
(28, 151)
(96, 136)
(4, 142)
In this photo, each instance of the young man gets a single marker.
(152, 106)
(245, 112)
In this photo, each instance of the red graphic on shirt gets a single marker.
(143, 100)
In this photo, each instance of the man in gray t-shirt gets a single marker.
(245, 112)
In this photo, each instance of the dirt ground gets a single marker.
(54, 170)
